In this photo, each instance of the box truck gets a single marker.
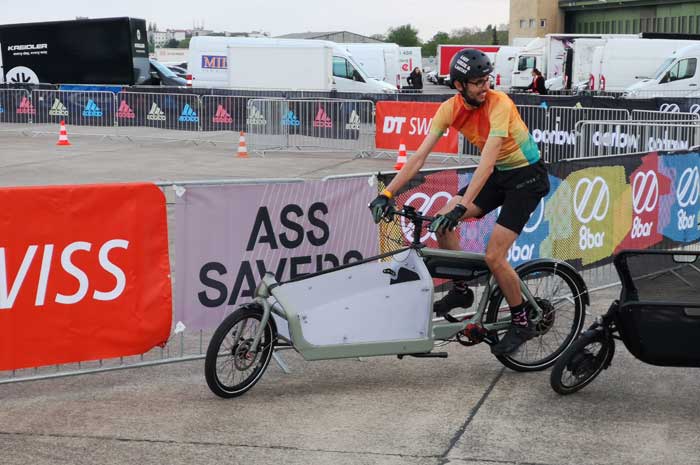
(261, 63)
(446, 52)
(87, 51)
(379, 60)
(626, 61)
(677, 76)
(553, 55)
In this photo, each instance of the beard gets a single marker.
(469, 100)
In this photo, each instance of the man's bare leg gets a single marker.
(460, 295)
(520, 329)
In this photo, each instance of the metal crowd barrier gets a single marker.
(328, 124)
(600, 138)
(84, 111)
(648, 115)
(16, 106)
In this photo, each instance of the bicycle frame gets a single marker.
(437, 328)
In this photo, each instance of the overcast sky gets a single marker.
(274, 16)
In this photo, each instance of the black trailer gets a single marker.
(84, 51)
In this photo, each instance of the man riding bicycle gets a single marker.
(510, 174)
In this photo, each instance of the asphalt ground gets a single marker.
(466, 409)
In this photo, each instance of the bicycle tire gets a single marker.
(582, 363)
(240, 357)
(574, 292)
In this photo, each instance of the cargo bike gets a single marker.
(657, 318)
(383, 305)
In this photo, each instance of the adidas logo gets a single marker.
(188, 115)
(25, 107)
(322, 120)
(354, 121)
(92, 110)
(222, 116)
(155, 114)
(290, 119)
(256, 118)
(125, 111)
(58, 109)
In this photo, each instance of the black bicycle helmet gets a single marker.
(469, 64)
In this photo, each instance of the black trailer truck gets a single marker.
(84, 51)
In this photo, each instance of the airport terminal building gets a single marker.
(534, 18)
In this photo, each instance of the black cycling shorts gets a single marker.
(518, 191)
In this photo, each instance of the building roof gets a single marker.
(325, 35)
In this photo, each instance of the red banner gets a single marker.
(84, 273)
(409, 122)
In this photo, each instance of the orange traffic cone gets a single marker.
(63, 135)
(242, 149)
(401, 158)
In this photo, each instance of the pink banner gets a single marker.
(227, 237)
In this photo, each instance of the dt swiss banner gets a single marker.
(84, 273)
(409, 122)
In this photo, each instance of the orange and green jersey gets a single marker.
(497, 116)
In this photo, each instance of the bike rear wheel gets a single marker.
(582, 362)
(558, 293)
(230, 367)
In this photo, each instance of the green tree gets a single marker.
(378, 37)
(172, 43)
(405, 36)
(494, 37)
(429, 49)
(184, 43)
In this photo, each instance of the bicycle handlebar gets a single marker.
(411, 214)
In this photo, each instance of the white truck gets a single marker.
(553, 55)
(504, 62)
(677, 76)
(379, 60)
(626, 61)
(264, 63)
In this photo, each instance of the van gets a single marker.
(264, 63)
(626, 61)
(379, 60)
(677, 76)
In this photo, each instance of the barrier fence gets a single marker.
(601, 138)
(329, 124)
(277, 123)
(557, 131)
(636, 201)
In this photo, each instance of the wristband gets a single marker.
(387, 193)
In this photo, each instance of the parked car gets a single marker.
(181, 72)
(163, 76)
(431, 76)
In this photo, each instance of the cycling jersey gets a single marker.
(497, 116)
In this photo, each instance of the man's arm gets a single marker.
(414, 164)
(486, 166)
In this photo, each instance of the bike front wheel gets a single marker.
(582, 362)
(560, 295)
(230, 367)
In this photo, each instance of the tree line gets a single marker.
(407, 36)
